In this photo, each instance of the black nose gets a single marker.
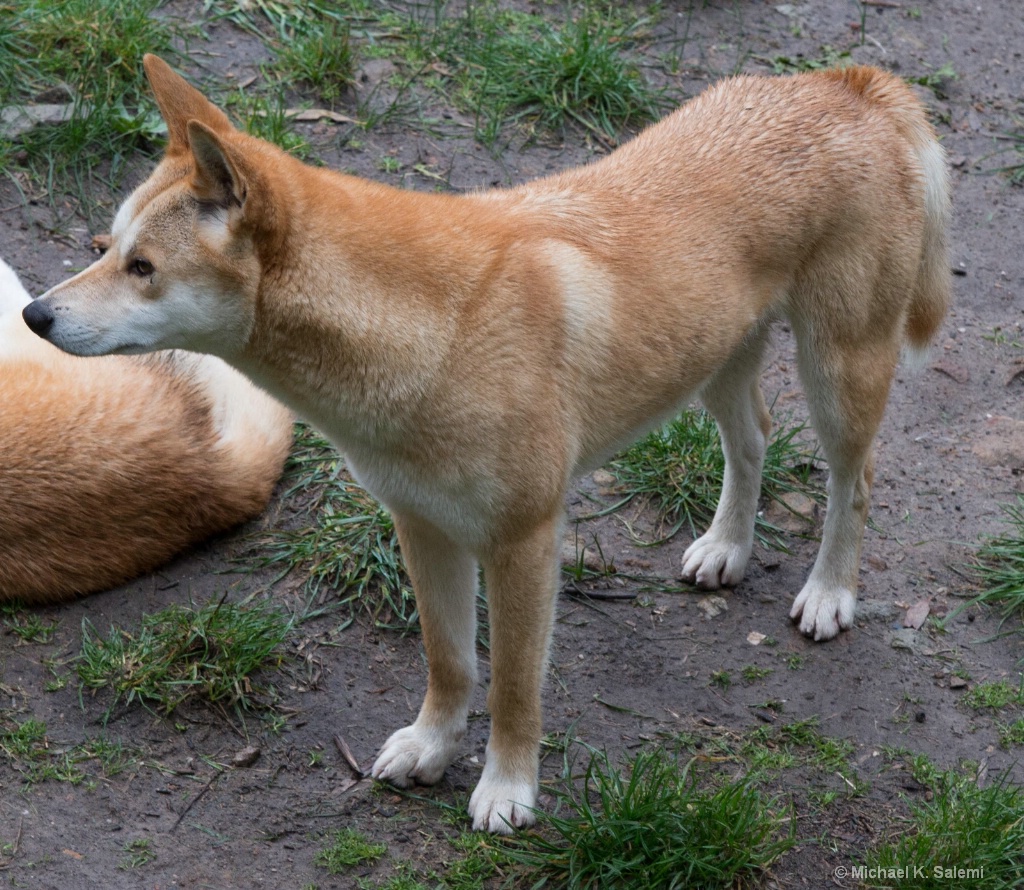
(39, 317)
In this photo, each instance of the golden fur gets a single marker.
(470, 354)
(112, 466)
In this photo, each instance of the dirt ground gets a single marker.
(625, 669)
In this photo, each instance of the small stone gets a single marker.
(957, 683)
(712, 606)
(17, 120)
(905, 638)
(246, 757)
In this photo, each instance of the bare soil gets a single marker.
(637, 663)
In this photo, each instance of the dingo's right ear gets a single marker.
(180, 103)
(218, 176)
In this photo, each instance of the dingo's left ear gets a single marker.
(218, 177)
(179, 103)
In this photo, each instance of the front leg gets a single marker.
(733, 396)
(522, 578)
(444, 577)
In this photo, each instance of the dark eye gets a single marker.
(142, 268)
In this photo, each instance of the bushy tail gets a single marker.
(932, 290)
(254, 431)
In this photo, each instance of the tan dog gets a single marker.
(110, 467)
(471, 354)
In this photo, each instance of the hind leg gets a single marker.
(733, 397)
(847, 385)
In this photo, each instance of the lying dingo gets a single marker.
(471, 354)
(110, 467)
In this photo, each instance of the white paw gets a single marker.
(501, 805)
(416, 755)
(710, 562)
(823, 611)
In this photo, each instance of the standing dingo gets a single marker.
(470, 354)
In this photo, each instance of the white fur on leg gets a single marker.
(714, 561)
(418, 754)
(823, 611)
(501, 803)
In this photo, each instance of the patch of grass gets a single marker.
(320, 55)
(828, 752)
(996, 695)
(27, 747)
(26, 625)
(1012, 735)
(389, 164)
(1000, 564)
(114, 757)
(1001, 337)
(137, 854)
(721, 679)
(653, 827)
(350, 547)
(751, 673)
(285, 18)
(348, 848)
(830, 58)
(962, 827)
(524, 68)
(775, 748)
(184, 652)
(482, 858)
(88, 55)
(23, 740)
(936, 80)
(404, 880)
(681, 467)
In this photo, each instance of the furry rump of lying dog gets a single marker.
(471, 354)
(110, 467)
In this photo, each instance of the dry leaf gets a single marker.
(345, 752)
(917, 614)
(755, 638)
(316, 114)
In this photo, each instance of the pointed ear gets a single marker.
(180, 103)
(218, 177)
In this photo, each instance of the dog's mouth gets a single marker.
(129, 349)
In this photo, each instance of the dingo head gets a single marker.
(184, 265)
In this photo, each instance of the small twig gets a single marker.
(888, 4)
(196, 800)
